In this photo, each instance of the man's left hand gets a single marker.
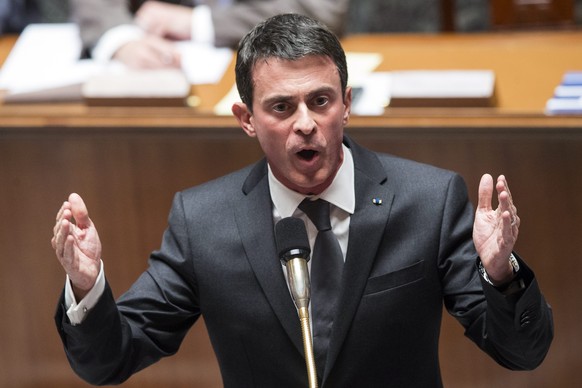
(495, 230)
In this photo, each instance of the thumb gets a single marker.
(79, 210)
(485, 193)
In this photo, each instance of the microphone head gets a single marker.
(291, 238)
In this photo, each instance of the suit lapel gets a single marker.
(254, 220)
(367, 226)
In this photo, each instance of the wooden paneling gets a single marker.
(128, 177)
(532, 14)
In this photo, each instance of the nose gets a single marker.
(304, 121)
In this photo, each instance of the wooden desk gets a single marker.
(127, 163)
(528, 67)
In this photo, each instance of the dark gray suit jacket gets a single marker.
(405, 258)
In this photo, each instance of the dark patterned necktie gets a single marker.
(326, 272)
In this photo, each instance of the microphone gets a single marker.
(293, 249)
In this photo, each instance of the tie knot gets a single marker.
(318, 213)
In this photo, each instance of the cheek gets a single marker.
(334, 129)
(272, 142)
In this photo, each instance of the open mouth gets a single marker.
(307, 154)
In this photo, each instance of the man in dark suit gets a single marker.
(407, 233)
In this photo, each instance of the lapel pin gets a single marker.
(377, 201)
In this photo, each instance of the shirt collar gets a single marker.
(340, 193)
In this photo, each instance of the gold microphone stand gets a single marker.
(308, 346)
(301, 290)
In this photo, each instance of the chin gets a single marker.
(312, 187)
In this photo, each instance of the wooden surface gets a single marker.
(527, 65)
(128, 177)
(127, 164)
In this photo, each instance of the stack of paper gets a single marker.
(163, 87)
(567, 97)
(44, 65)
(442, 88)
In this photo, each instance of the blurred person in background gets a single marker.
(110, 29)
(15, 15)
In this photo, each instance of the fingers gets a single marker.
(63, 238)
(67, 259)
(79, 211)
(76, 243)
(62, 231)
(506, 205)
(485, 193)
(61, 228)
(59, 219)
(506, 209)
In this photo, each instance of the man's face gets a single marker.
(298, 117)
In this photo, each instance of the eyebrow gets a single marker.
(286, 98)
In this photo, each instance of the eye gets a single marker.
(320, 101)
(280, 107)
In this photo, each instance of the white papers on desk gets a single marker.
(371, 95)
(426, 88)
(46, 56)
(442, 84)
(203, 63)
(361, 65)
(224, 106)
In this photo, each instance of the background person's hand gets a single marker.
(149, 52)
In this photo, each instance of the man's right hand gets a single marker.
(77, 245)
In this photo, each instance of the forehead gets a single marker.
(276, 73)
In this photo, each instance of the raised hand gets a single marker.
(495, 230)
(77, 245)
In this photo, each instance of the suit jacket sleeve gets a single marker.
(522, 324)
(514, 330)
(148, 322)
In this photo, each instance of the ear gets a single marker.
(347, 105)
(243, 116)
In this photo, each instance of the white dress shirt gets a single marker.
(340, 194)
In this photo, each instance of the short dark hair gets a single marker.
(289, 37)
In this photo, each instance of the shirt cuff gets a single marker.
(202, 27)
(113, 39)
(78, 311)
